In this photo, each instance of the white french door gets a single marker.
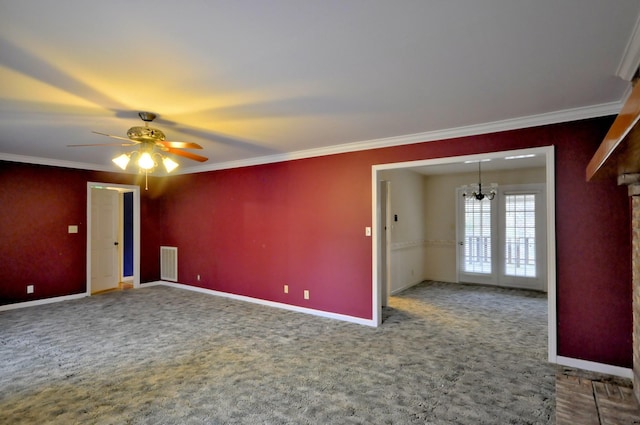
(503, 241)
(522, 248)
(477, 233)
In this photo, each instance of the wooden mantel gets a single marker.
(619, 152)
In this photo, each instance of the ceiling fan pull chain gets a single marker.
(146, 182)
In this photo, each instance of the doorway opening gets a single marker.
(113, 236)
(544, 156)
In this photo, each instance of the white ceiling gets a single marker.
(259, 81)
(490, 162)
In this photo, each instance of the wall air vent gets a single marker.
(169, 263)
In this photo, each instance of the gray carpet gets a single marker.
(446, 354)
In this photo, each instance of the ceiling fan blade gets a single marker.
(103, 144)
(187, 154)
(179, 145)
(115, 137)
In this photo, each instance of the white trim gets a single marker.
(54, 162)
(631, 56)
(566, 115)
(376, 269)
(43, 301)
(405, 287)
(136, 230)
(398, 246)
(297, 309)
(596, 367)
(154, 283)
(548, 151)
(552, 320)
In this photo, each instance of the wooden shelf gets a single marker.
(619, 152)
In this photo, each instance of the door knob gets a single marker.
(116, 243)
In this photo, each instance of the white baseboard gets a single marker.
(397, 291)
(622, 372)
(156, 283)
(313, 312)
(41, 302)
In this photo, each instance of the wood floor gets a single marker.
(589, 399)
(121, 286)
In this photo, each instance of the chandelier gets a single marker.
(477, 194)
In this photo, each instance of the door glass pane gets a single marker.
(520, 235)
(477, 235)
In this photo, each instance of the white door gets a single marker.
(477, 232)
(104, 240)
(523, 242)
(502, 242)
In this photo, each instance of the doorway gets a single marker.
(545, 154)
(106, 237)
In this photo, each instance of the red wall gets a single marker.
(251, 230)
(38, 204)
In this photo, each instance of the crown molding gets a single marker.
(53, 162)
(567, 115)
(612, 108)
(631, 56)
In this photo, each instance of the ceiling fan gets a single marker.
(148, 138)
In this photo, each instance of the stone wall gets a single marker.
(635, 223)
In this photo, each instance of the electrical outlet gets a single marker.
(30, 289)
(306, 294)
(286, 289)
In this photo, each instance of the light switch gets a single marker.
(367, 231)
(73, 229)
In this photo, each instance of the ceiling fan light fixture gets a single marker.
(169, 164)
(121, 161)
(149, 144)
(145, 161)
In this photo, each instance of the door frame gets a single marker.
(548, 151)
(385, 243)
(136, 228)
